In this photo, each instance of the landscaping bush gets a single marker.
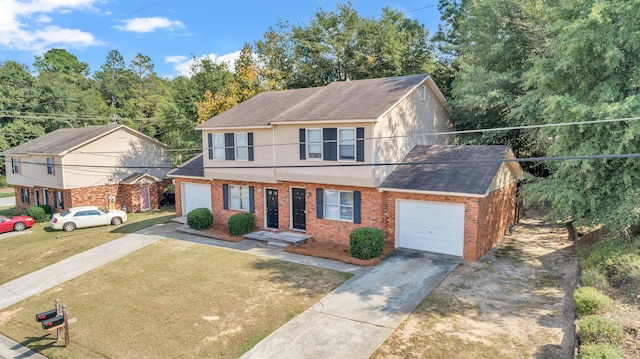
(200, 219)
(47, 208)
(589, 300)
(593, 277)
(38, 214)
(240, 224)
(600, 351)
(366, 243)
(595, 329)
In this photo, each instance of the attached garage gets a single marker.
(195, 196)
(454, 200)
(430, 226)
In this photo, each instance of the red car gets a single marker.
(16, 223)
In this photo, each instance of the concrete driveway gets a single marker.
(356, 318)
(7, 201)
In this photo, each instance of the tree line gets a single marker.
(501, 63)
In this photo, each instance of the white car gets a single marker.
(86, 216)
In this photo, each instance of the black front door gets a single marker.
(298, 207)
(272, 208)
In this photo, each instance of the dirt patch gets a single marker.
(336, 251)
(517, 302)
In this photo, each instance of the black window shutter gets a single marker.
(319, 203)
(229, 149)
(356, 206)
(225, 196)
(252, 207)
(210, 145)
(303, 145)
(330, 146)
(250, 144)
(360, 144)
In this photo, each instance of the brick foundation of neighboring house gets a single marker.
(486, 219)
(117, 196)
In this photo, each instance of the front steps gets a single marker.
(279, 238)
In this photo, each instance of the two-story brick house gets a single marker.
(110, 166)
(318, 159)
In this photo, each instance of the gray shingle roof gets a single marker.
(438, 168)
(192, 168)
(60, 141)
(338, 101)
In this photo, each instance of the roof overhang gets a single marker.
(323, 122)
(244, 128)
(455, 194)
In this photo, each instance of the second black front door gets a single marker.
(298, 208)
(272, 208)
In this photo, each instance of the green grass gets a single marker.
(4, 194)
(173, 299)
(28, 252)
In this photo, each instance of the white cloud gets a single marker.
(150, 24)
(182, 64)
(24, 25)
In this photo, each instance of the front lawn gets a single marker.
(26, 253)
(173, 299)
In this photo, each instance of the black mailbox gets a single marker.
(53, 322)
(40, 317)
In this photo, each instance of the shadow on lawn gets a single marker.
(136, 226)
(38, 344)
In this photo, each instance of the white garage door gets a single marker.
(430, 226)
(195, 196)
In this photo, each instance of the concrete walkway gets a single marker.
(58, 273)
(351, 322)
(356, 318)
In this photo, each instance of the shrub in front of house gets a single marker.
(366, 243)
(590, 300)
(38, 214)
(595, 329)
(200, 219)
(47, 208)
(240, 224)
(600, 351)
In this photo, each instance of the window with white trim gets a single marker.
(15, 165)
(58, 199)
(338, 205)
(239, 197)
(25, 195)
(218, 146)
(314, 144)
(241, 147)
(347, 144)
(49, 165)
(423, 93)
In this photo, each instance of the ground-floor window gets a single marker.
(239, 197)
(25, 195)
(58, 198)
(338, 205)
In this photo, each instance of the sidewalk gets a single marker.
(58, 273)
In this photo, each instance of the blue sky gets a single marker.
(171, 32)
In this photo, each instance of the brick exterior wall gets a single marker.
(106, 196)
(485, 220)
(497, 214)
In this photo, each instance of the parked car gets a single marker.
(87, 216)
(15, 223)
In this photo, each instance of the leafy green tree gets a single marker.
(589, 71)
(112, 80)
(340, 45)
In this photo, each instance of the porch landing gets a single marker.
(279, 238)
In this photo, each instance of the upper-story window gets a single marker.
(314, 144)
(423, 93)
(50, 170)
(15, 165)
(347, 144)
(332, 144)
(230, 146)
(216, 146)
(242, 148)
